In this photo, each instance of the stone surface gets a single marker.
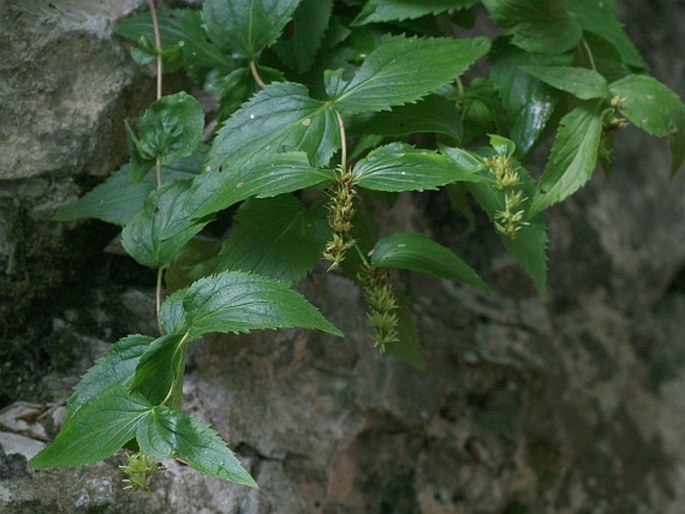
(572, 403)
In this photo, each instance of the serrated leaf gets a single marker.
(280, 118)
(573, 157)
(277, 174)
(158, 368)
(402, 70)
(580, 82)
(246, 26)
(168, 433)
(543, 26)
(654, 108)
(114, 368)
(598, 53)
(415, 252)
(176, 26)
(121, 196)
(171, 313)
(195, 260)
(529, 247)
(96, 431)
(171, 128)
(164, 225)
(433, 114)
(379, 11)
(528, 102)
(299, 46)
(240, 302)
(599, 17)
(400, 167)
(277, 238)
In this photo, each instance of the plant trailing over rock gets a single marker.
(323, 108)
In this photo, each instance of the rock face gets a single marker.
(572, 403)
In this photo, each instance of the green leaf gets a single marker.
(529, 247)
(400, 167)
(402, 70)
(543, 26)
(277, 238)
(121, 196)
(114, 368)
(379, 11)
(158, 368)
(176, 27)
(415, 252)
(528, 102)
(433, 114)
(171, 128)
(283, 173)
(168, 433)
(246, 26)
(96, 431)
(280, 118)
(599, 17)
(502, 145)
(197, 259)
(580, 82)
(239, 302)
(298, 48)
(654, 108)
(573, 157)
(164, 225)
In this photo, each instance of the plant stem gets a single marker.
(158, 46)
(343, 143)
(361, 255)
(255, 74)
(588, 51)
(158, 298)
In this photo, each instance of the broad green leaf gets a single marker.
(400, 167)
(158, 368)
(275, 237)
(433, 114)
(121, 196)
(164, 225)
(239, 302)
(280, 118)
(96, 431)
(543, 26)
(402, 70)
(528, 102)
(580, 82)
(115, 368)
(171, 313)
(415, 252)
(180, 27)
(245, 27)
(239, 85)
(598, 53)
(408, 348)
(529, 247)
(599, 17)
(573, 157)
(195, 260)
(171, 128)
(168, 433)
(654, 108)
(277, 174)
(469, 161)
(139, 165)
(298, 48)
(502, 145)
(378, 11)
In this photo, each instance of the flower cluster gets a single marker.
(382, 306)
(138, 471)
(510, 220)
(340, 213)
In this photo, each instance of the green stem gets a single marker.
(343, 143)
(158, 46)
(255, 74)
(365, 261)
(588, 51)
(158, 298)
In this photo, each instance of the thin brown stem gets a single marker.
(158, 46)
(255, 74)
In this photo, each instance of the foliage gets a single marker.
(323, 107)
